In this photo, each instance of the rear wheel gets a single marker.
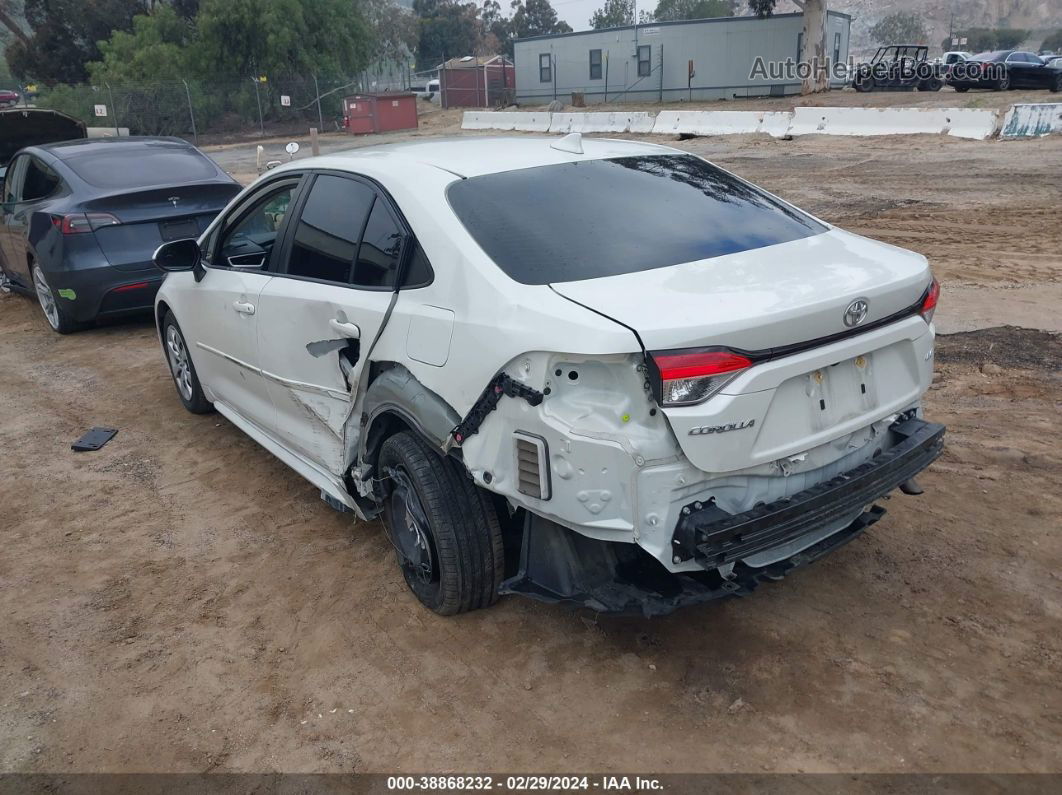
(53, 313)
(185, 379)
(932, 84)
(863, 84)
(1056, 86)
(444, 529)
(962, 89)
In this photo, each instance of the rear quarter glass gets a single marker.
(597, 218)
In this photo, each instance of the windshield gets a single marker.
(596, 218)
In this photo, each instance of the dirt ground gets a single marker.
(181, 601)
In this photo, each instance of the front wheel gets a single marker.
(1057, 85)
(189, 390)
(1003, 84)
(444, 529)
(53, 313)
(962, 89)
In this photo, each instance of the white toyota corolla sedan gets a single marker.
(590, 371)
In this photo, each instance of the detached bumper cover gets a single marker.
(557, 565)
(715, 538)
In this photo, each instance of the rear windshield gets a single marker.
(127, 167)
(598, 218)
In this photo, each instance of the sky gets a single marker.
(577, 13)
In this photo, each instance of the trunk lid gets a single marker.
(759, 299)
(151, 217)
(823, 397)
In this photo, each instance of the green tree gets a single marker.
(614, 14)
(446, 29)
(64, 36)
(900, 28)
(1010, 38)
(241, 38)
(1053, 43)
(535, 18)
(157, 48)
(671, 10)
(393, 30)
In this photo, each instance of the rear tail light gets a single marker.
(929, 302)
(685, 378)
(81, 223)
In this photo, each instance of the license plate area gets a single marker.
(843, 389)
(178, 230)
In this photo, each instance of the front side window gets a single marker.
(545, 68)
(644, 68)
(595, 64)
(13, 179)
(598, 218)
(250, 240)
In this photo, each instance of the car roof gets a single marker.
(130, 143)
(476, 156)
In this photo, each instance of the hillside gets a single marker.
(1039, 16)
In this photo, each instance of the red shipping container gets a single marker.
(375, 113)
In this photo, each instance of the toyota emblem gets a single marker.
(856, 312)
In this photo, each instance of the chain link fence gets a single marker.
(214, 110)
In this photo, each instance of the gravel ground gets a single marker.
(181, 601)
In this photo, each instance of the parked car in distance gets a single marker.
(1002, 70)
(953, 57)
(83, 218)
(590, 371)
(8, 98)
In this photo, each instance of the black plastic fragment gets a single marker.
(94, 439)
(501, 384)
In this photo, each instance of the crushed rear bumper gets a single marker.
(715, 538)
(558, 565)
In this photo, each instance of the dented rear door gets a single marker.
(319, 317)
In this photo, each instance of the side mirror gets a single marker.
(177, 255)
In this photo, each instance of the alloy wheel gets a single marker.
(46, 299)
(411, 537)
(180, 365)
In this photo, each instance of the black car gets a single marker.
(82, 220)
(1005, 69)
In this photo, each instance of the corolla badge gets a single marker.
(856, 312)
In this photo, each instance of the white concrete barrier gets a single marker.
(708, 122)
(106, 132)
(972, 123)
(487, 120)
(958, 122)
(1032, 120)
(532, 122)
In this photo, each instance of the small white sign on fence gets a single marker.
(101, 110)
(285, 100)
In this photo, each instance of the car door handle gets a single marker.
(348, 330)
(243, 307)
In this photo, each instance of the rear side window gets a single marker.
(40, 181)
(326, 238)
(110, 167)
(597, 218)
(381, 247)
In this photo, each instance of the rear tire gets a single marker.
(1056, 86)
(863, 85)
(444, 529)
(933, 84)
(189, 390)
(60, 322)
(962, 89)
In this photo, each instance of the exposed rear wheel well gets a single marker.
(160, 315)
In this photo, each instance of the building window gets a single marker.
(836, 47)
(545, 68)
(595, 64)
(644, 69)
